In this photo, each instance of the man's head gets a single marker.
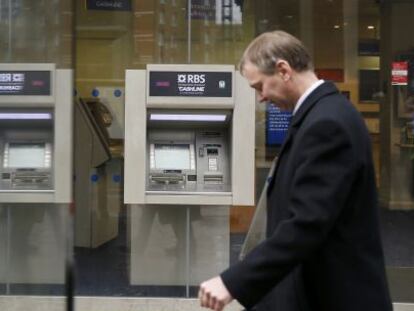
(266, 49)
(279, 67)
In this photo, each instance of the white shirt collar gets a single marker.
(306, 94)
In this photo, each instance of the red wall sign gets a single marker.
(334, 75)
(399, 73)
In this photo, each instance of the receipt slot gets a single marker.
(35, 171)
(189, 156)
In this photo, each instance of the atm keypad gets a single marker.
(212, 164)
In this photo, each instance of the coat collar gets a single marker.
(322, 90)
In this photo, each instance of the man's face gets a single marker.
(270, 88)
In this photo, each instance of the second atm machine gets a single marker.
(35, 172)
(189, 157)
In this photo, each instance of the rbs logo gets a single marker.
(192, 78)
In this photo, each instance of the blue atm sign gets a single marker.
(277, 124)
(109, 5)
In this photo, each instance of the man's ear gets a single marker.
(283, 69)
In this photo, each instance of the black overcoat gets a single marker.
(323, 249)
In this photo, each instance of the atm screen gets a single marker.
(169, 156)
(26, 155)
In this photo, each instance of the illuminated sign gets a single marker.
(109, 5)
(203, 9)
(200, 84)
(399, 73)
(25, 83)
(277, 124)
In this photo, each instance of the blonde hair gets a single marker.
(265, 50)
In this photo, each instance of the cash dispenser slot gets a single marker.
(28, 178)
(213, 178)
(167, 178)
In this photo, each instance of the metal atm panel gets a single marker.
(141, 101)
(189, 157)
(26, 150)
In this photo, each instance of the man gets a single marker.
(322, 250)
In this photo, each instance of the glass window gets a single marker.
(33, 236)
(348, 46)
(364, 46)
(37, 33)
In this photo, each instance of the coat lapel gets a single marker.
(324, 89)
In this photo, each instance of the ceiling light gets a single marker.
(371, 27)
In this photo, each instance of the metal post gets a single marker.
(9, 49)
(189, 32)
(69, 262)
(187, 251)
(8, 236)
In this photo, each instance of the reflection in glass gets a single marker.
(36, 31)
(33, 248)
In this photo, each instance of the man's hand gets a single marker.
(213, 294)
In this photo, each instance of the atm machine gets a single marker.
(189, 157)
(35, 172)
